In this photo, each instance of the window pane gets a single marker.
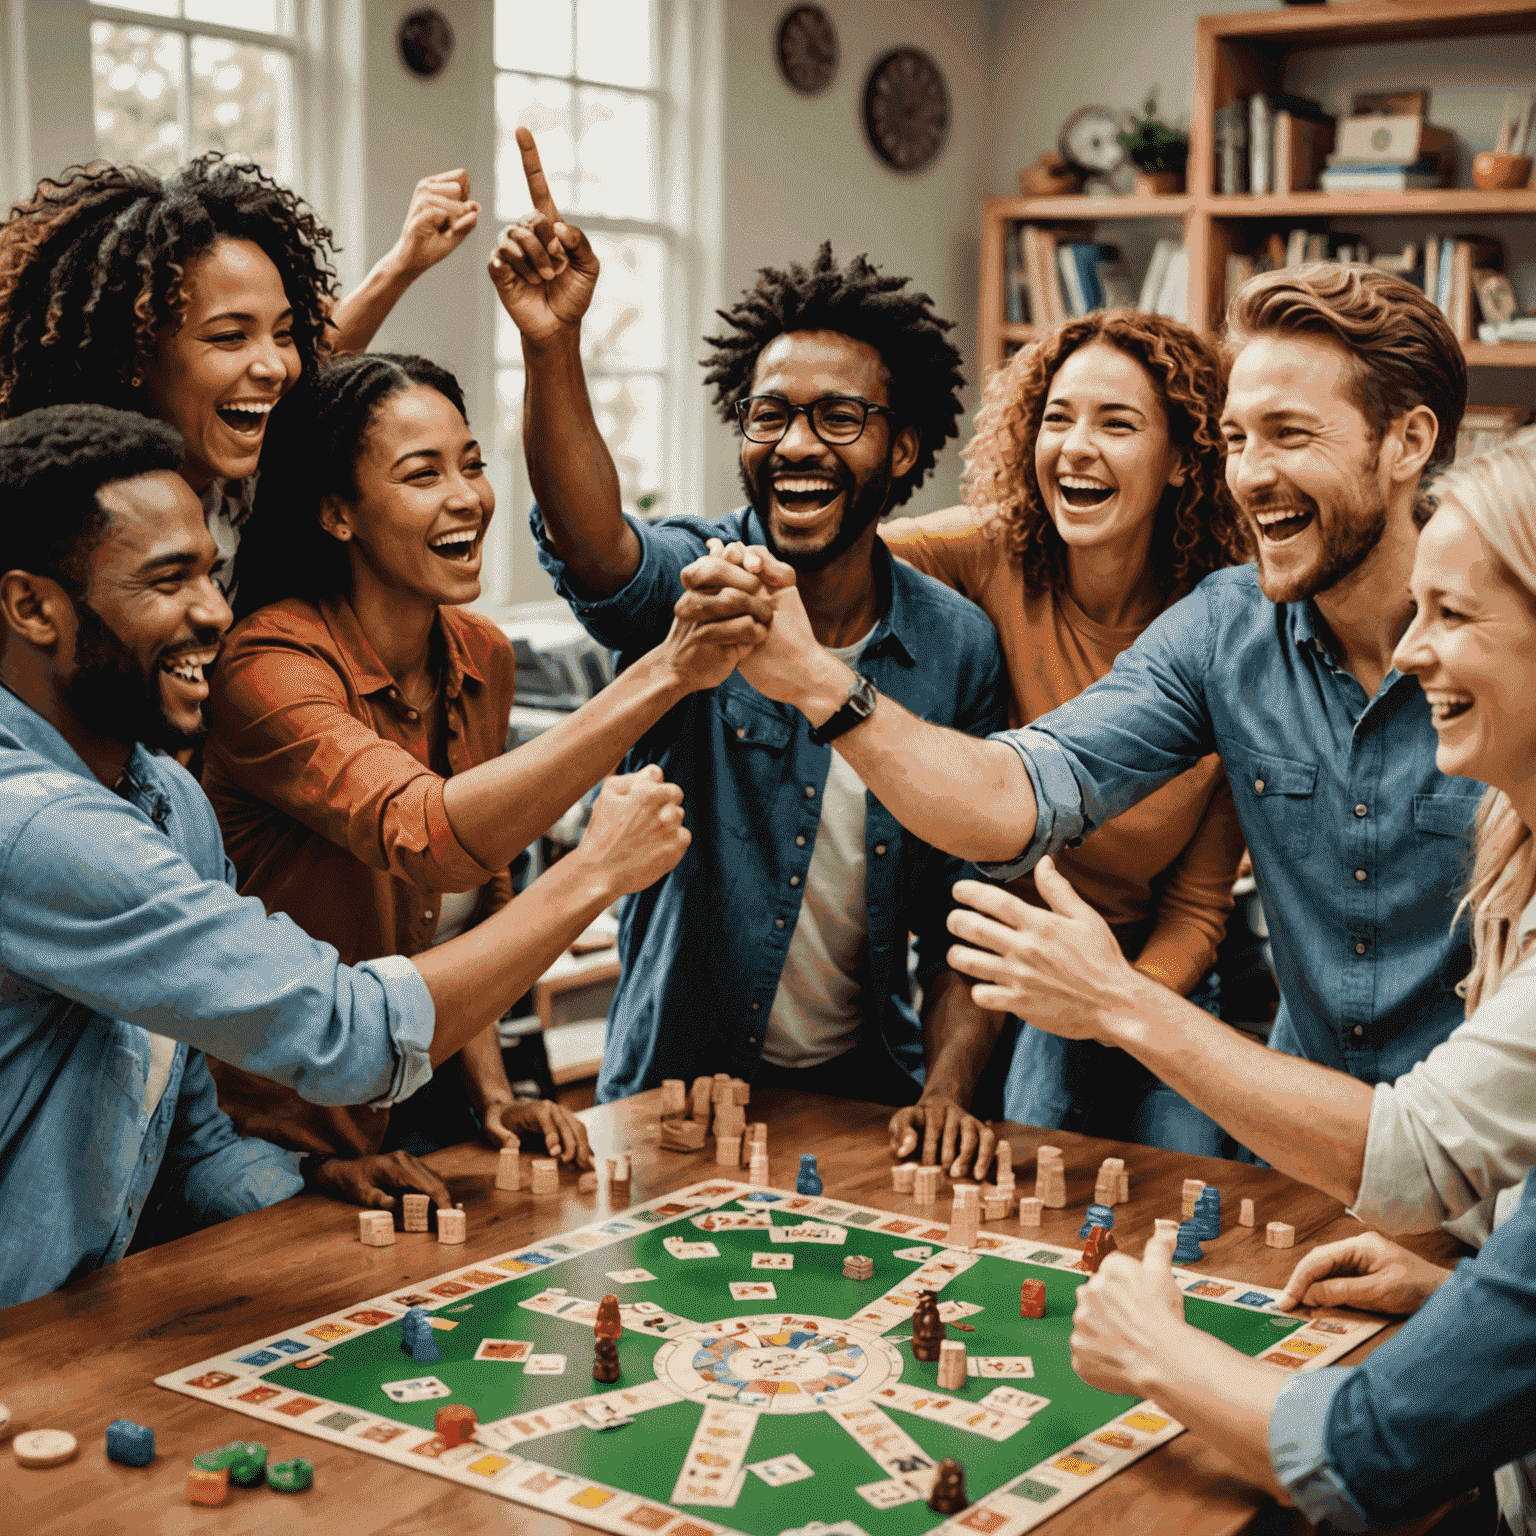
(629, 415)
(151, 7)
(617, 153)
(544, 106)
(136, 72)
(242, 102)
(534, 35)
(509, 477)
(253, 15)
(613, 42)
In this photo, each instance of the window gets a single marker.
(599, 83)
(172, 78)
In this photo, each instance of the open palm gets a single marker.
(544, 269)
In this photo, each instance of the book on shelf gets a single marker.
(1015, 281)
(1362, 176)
(1231, 127)
(1155, 285)
(1488, 426)
(1263, 108)
(1055, 275)
(1522, 328)
(1300, 147)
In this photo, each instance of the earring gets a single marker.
(343, 533)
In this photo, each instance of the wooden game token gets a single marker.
(455, 1423)
(509, 1169)
(375, 1229)
(546, 1176)
(45, 1447)
(450, 1225)
(415, 1208)
(208, 1486)
(587, 1183)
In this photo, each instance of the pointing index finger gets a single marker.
(533, 171)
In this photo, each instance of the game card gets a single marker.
(731, 1221)
(513, 1351)
(781, 1470)
(713, 1470)
(544, 1365)
(415, 1389)
(630, 1276)
(896, 1452)
(760, 1290)
(446, 1324)
(953, 1311)
(681, 1248)
(887, 1494)
(1010, 1400)
(1006, 1367)
(773, 1261)
(917, 1254)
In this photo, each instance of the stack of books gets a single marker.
(1270, 143)
(1054, 275)
(1388, 154)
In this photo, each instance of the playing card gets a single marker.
(781, 1470)
(753, 1290)
(713, 1471)
(416, 1389)
(601, 1414)
(1007, 1367)
(887, 1494)
(1012, 1401)
(731, 1221)
(773, 1261)
(544, 1365)
(511, 1350)
(630, 1276)
(918, 1254)
(953, 1311)
(681, 1248)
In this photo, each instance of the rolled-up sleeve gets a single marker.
(98, 906)
(1298, 1450)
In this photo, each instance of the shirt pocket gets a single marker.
(1445, 815)
(1282, 797)
(755, 739)
(751, 720)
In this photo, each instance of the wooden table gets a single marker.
(78, 1358)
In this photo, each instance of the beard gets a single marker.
(1347, 538)
(113, 694)
(862, 505)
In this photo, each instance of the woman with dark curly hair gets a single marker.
(200, 298)
(1094, 498)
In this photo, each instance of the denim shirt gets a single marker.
(1444, 1401)
(1360, 844)
(117, 918)
(702, 949)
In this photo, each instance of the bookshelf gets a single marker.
(1236, 56)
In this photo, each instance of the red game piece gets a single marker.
(205, 1487)
(1032, 1298)
(456, 1423)
(1100, 1242)
(607, 1325)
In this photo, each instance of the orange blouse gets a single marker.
(1168, 863)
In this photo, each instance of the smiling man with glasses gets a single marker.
(777, 950)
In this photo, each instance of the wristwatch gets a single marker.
(862, 699)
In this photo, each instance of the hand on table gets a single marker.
(544, 269)
(438, 220)
(1366, 1272)
(1061, 970)
(636, 832)
(368, 1180)
(949, 1133)
(1125, 1315)
(565, 1137)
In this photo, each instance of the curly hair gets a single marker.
(311, 452)
(1197, 528)
(922, 368)
(92, 269)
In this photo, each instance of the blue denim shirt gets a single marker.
(118, 917)
(1443, 1402)
(1360, 844)
(703, 948)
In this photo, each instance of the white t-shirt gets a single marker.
(816, 1013)
(455, 915)
(162, 1056)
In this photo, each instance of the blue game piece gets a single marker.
(1098, 1216)
(131, 1444)
(416, 1337)
(1188, 1249)
(1207, 1217)
(807, 1181)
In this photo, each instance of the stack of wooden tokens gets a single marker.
(1030, 1210)
(964, 1216)
(674, 1097)
(757, 1149)
(509, 1169)
(545, 1173)
(1005, 1185)
(925, 1185)
(902, 1176)
(858, 1266)
(1050, 1178)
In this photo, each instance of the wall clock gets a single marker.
(805, 46)
(425, 41)
(906, 109)
(1090, 141)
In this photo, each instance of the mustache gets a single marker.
(1277, 501)
(205, 640)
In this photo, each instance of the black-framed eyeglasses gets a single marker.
(836, 419)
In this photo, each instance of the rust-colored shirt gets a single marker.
(1163, 871)
(321, 774)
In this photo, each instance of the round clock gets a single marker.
(425, 41)
(1089, 140)
(805, 46)
(906, 109)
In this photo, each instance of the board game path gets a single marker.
(79, 1358)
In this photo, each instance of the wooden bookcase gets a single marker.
(1237, 56)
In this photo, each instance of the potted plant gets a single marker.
(1159, 153)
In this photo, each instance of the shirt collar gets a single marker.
(370, 674)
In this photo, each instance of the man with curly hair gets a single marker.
(778, 950)
(201, 298)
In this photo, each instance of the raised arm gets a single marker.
(545, 274)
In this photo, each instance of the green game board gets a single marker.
(749, 1411)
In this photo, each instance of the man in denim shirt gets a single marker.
(777, 951)
(124, 951)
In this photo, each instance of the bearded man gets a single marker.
(777, 950)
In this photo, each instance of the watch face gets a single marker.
(1088, 139)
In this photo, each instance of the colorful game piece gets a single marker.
(1192, 1188)
(44, 1447)
(455, 1423)
(375, 1229)
(1101, 1241)
(1030, 1211)
(509, 1169)
(925, 1185)
(1188, 1250)
(807, 1181)
(607, 1324)
(682, 1135)
(948, 1494)
(605, 1361)
(728, 1153)
(205, 1487)
(130, 1444)
(1280, 1234)
(415, 1209)
(674, 1096)
(248, 1467)
(545, 1173)
(1245, 1214)
(587, 1183)
(220, 1457)
(1098, 1216)
(450, 1225)
(1032, 1299)
(951, 1365)
(290, 1476)
(416, 1338)
(1207, 1215)
(902, 1176)
(927, 1327)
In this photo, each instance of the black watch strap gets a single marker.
(862, 698)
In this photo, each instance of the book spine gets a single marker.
(1259, 150)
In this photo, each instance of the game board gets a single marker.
(756, 1394)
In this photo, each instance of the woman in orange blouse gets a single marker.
(1094, 498)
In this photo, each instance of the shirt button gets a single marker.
(1361, 810)
(741, 732)
(1258, 786)
(810, 791)
(751, 1039)
(778, 922)
(427, 915)
(1359, 949)
(412, 714)
(800, 840)
(1359, 1029)
(880, 850)
(394, 693)
(756, 1007)
(1360, 874)
(794, 879)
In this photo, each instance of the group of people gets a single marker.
(1185, 610)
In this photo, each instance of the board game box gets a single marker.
(759, 1387)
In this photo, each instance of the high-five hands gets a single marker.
(544, 270)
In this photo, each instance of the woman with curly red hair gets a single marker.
(1094, 497)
